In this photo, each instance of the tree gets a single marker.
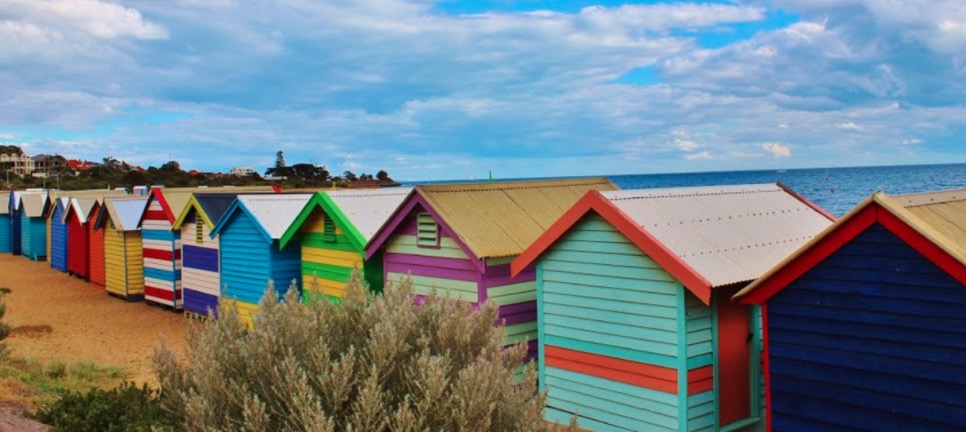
(280, 169)
(369, 363)
(382, 175)
(349, 176)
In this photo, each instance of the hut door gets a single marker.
(734, 359)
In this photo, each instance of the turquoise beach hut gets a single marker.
(250, 256)
(636, 328)
(5, 223)
(33, 225)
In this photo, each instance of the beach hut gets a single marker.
(33, 208)
(95, 238)
(162, 245)
(200, 275)
(5, 223)
(636, 328)
(123, 259)
(248, 235)
(57, 232)
(333, 230)
(78, 241)
(14, 227)
(864, 325)
(460, 239)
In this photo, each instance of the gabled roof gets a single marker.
(210, 207)
(272, 213)
(125, 212)
(34, 204)
(81, 207)
(706, 237)
(934, 224)
(358, 212)
(495, 219)
(174, 200)
(5, 202)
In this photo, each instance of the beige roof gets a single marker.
(33, 204)
(125, 212)
(944, 212)
(368, 209)
(727, 234)
(177, 198)
(4, 203)
(501, 219)
(274, 212)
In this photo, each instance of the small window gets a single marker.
(427, 231)
(328, 228)
(199, 230)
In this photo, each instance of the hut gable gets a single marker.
(123, 213)
(271, 214)
(706, 237)
(864, 325)
(359, 213)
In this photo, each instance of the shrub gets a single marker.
(4, 328)
(124, 408)
(372, 363)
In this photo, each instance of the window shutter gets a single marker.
(199, 230)
(329, 228)
(427, 231)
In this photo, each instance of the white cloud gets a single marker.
(777, 149)
(849, 125)
(705, 155)
(911, 141)
(93, 17)
(686, 145)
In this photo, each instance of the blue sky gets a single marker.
(432, 90)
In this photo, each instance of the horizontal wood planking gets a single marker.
(33, 237)
(700, 336)
(423, 285)
(201, 281)
(245, 310)
(199, 258)
(871, 337)
(406, 244)
(701, 416)
(96, 239)
(124, 269)
(614, 369)
(621, 406)
(57, 254)
(5, 236)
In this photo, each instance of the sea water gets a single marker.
(837, 190)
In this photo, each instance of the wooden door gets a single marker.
(734, 359)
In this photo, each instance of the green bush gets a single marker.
(371, 363)
(122, 409)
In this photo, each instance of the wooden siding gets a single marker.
(162, 257)
(78, 254)
(200, 278)
(96, 247)
(58, 238)
(701, 413)
(328, 262)
(600, 295)
(16, 243)
(248, 263)
(446, 268)
(123, 263)
(5, 231)
(872, 338)
(33, 235)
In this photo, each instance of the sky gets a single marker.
(433, 90)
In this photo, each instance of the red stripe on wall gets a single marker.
(624, 371)
(155, 215)
(158, 293)
(163, 255)
(700, 380)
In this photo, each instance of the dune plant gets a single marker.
(368, 363)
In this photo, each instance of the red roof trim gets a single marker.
(844, 233)
(593, 200)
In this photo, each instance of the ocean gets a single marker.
(837, 190)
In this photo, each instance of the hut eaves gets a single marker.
(272, 213)
(125, 212)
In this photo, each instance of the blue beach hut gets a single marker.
(864, 326)
(250, 257)
(33, 225)
(57, 255)
(5, 221)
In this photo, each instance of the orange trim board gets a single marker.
(595, 201)
(638, 374)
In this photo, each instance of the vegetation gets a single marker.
(121, 409)
(31, 383)
(371, 363)
(4, 328)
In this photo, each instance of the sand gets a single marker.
(55, 317)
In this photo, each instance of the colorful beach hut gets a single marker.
(95, 246)
(250, 255)
(5, 223)
(200, 275)
(57, 232)
(864, 325)
(636, 328)
(78, 242)
(162, 245)
(33, 225)
(333, 230)
(14, 227)
(460, 239)
(123, 259)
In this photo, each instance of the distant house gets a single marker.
(865, 326)
(19, 164)
(242, 171)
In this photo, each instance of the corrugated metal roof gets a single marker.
(4, 202)
(727, 234)
(944, 211)
(177, 198)
(274, 212)
(368, 209)
(126, 212)
(500, 219)
(82, 207)
(33, 204)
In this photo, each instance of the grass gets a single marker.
(30, 383)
